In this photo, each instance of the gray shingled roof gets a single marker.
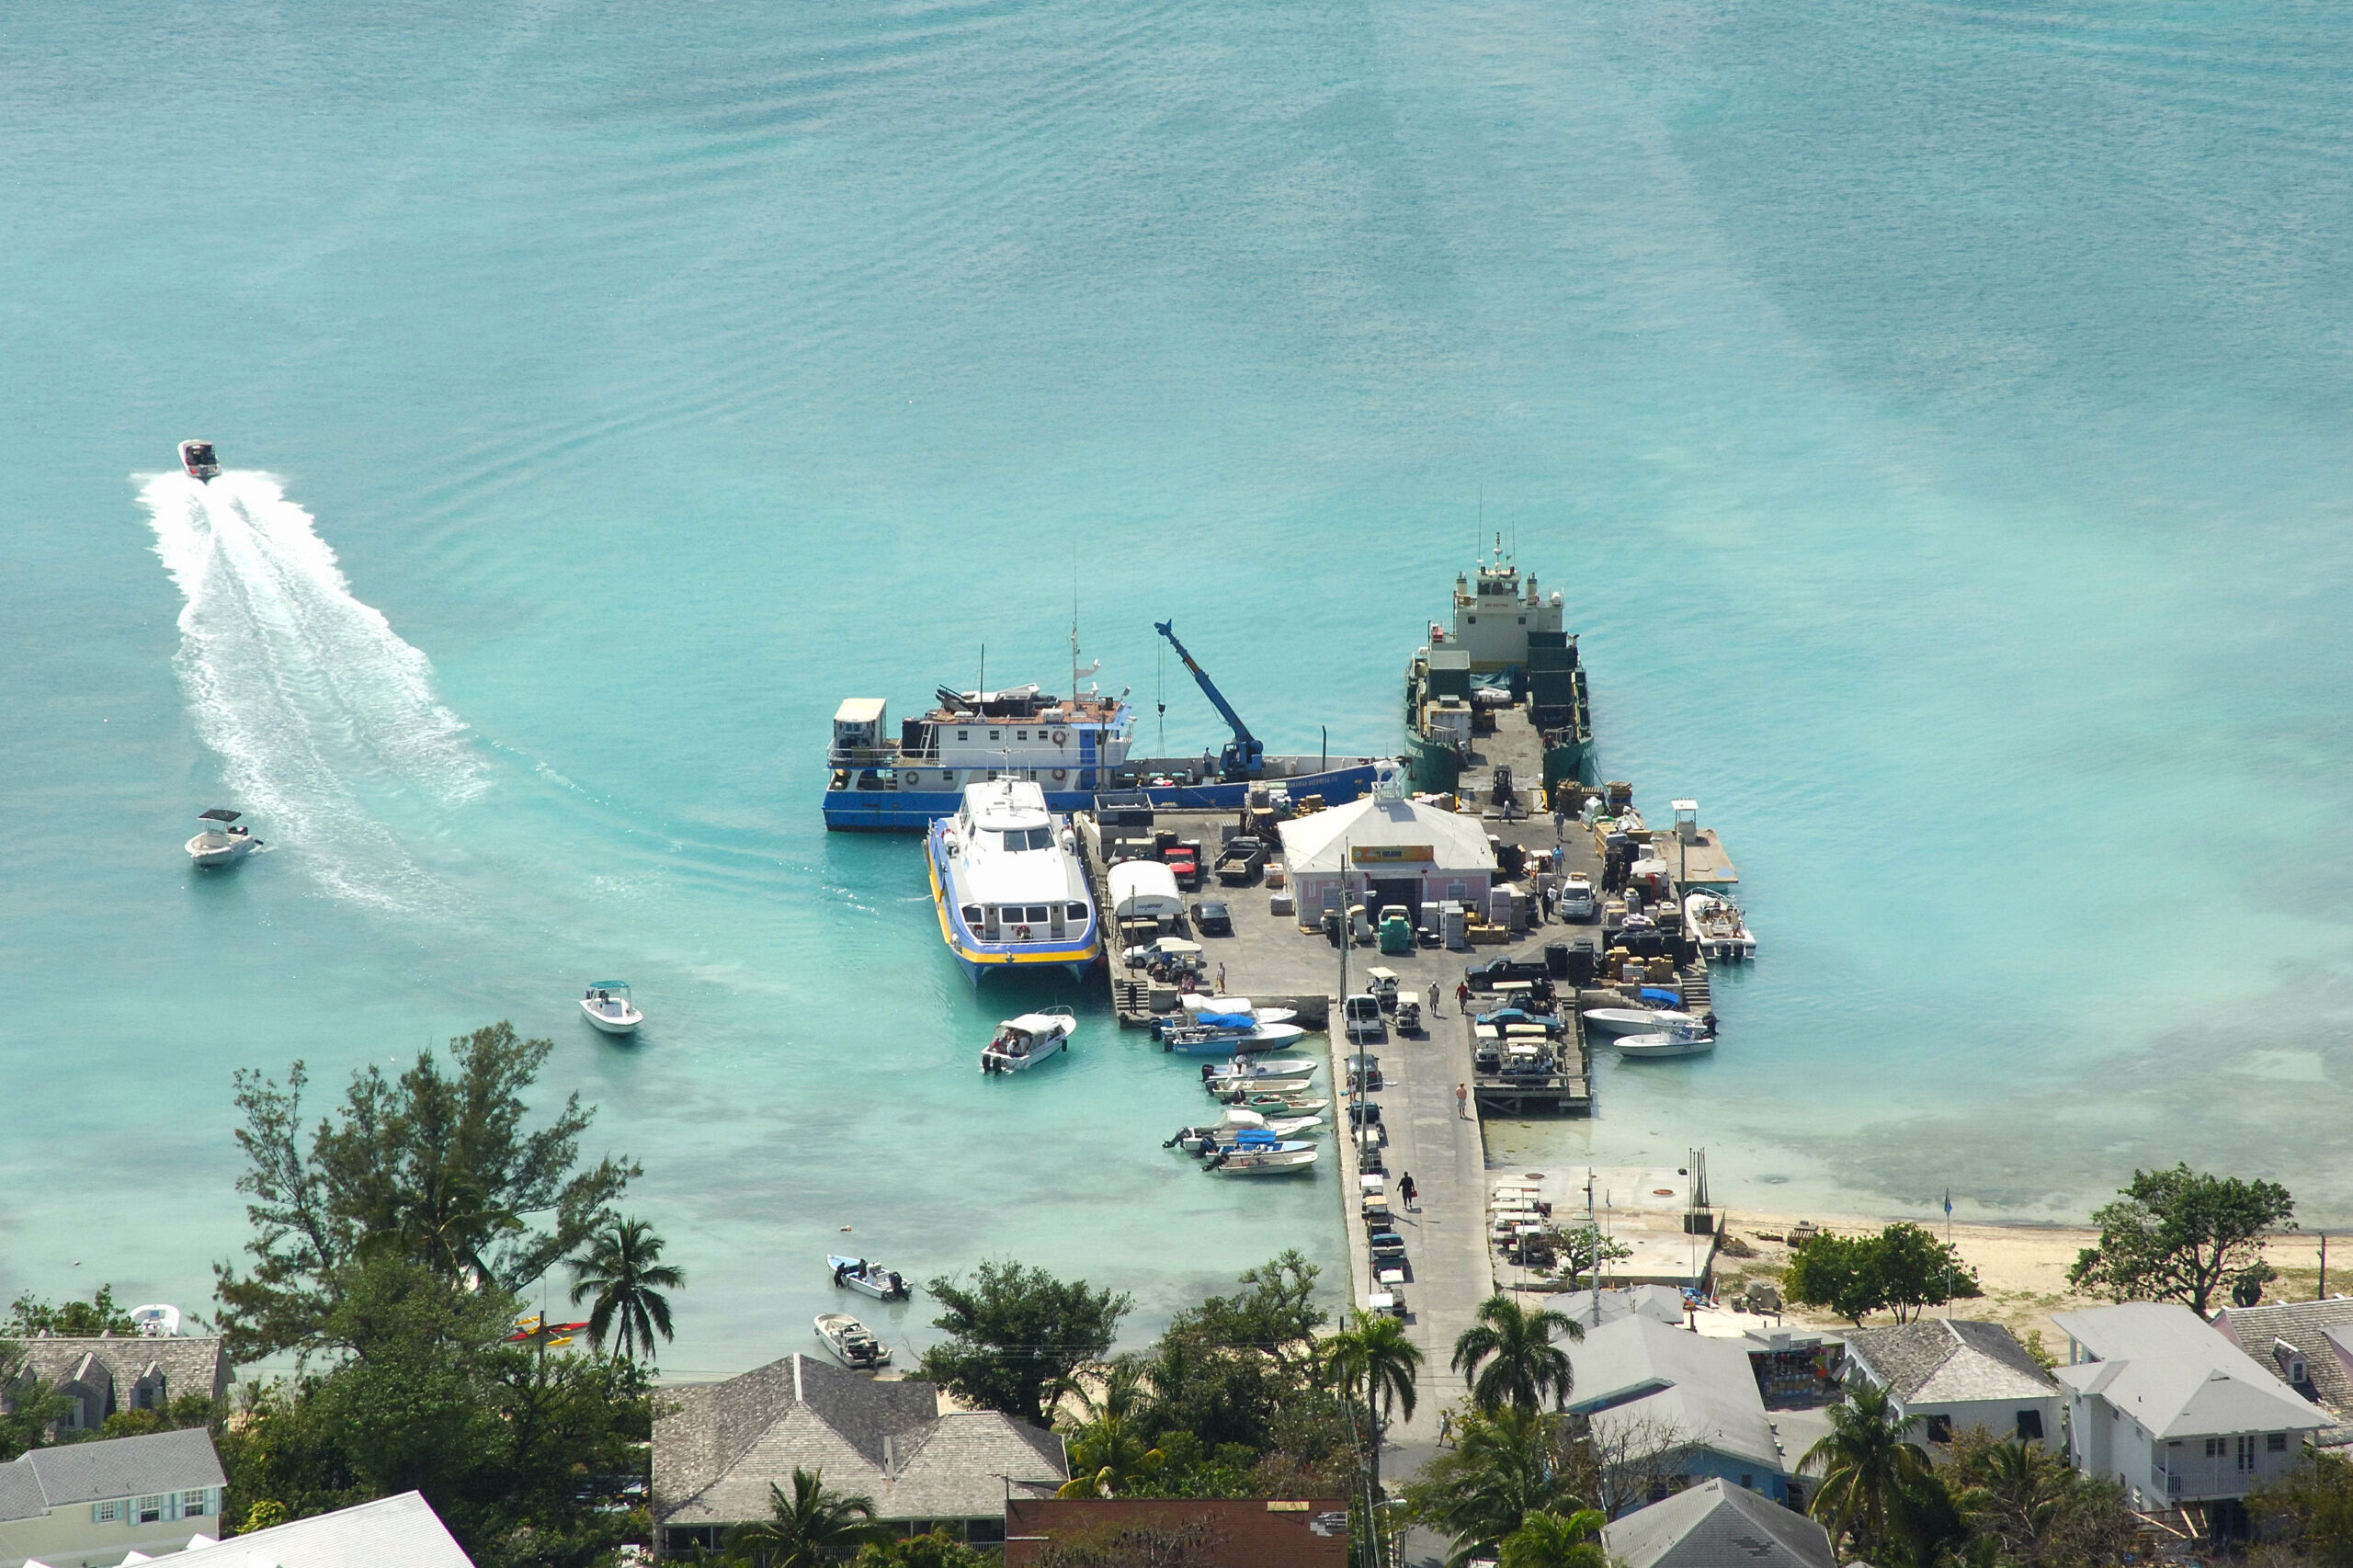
(107, 1467)
(1939, 1361)
(391, 1532)
(2305, 1325)
(722, 1444)
(1717, 1525)
(189, 1366)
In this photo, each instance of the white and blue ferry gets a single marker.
(1009, 885)
(1073, 748)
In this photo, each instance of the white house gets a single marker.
(80, 1505)
(2160, 1400)
(1386, 849)
(401, 1530)
(1958, 1375)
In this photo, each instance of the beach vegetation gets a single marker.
(812, 1527)
(1585, 1251)
(1903, 1269)
(2039, 1510)
(1109, 1450)
(2309, 1512)
(620, 1274)
(32, 1408)
(937, 1550)
(1016, 1337)
(2182, 1235)
(1508, 1463)
(1507, 1355)
(29, 1317)
(1556, 1541)
(435, 1167)
(1872, 1472)
(1373, 1365)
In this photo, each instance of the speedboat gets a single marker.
(1627, 1020)
(868, 1277)
(1024, 1041)
(852, 1343)
(157, 1320)
(1270, 1158)
(1687, 1038)
(1273, 1103)
(1194, 1002)
(1716, 923)
(198, 458)
(1229, 1131)
(1223, 1034)
(607, 1006)
(1008, 881)
(1246, 1069)
(221, 842)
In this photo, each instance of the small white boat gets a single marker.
(1686, 1038)
(1228, 1130)
(1280, 1160)
(1248, 1069)
(1194, 1002)
(1628, 1020)
(198, 458)
(851, 1342)
(158, 1320)
(1208, 1038)
(1718, 927)
(1023, 1042)
(1276, 1105)
(868, 1277)
(607, 1006)
(222, 842)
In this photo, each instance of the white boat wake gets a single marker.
(322, 718)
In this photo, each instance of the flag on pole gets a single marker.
(1947, 1203)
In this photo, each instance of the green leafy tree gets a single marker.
(2179, 1236)
(435, 1167)
(1229, 1370)
(30, 1317)
(938, 1550)
(1110, 1452)
(1868, 1466)
(2040, 1512)
(814, 1527)
(623, 1271)
(1507, 1355)
(1553, 1541)
(2311, 1508)
(1508, 1464)
(32, 1407)
(1372, 1363)
(1585, 1251)
(1903, 1270)
(1016, 1336)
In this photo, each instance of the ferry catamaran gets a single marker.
(1007, 879)
(1073, 748)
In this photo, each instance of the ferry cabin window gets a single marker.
(971, 914)
(1037, 915)
(1077, 912)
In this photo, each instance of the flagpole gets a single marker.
(1947, 1255)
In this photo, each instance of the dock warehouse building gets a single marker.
(1386, 849)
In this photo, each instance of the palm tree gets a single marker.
(1552, 1541)
(1108, 1452)
(1508, 1357)
(2018, 1493)
(1868, 1469)
(623, 1269)
(1372, 1360)
(1506, 1465)
(809, 1529)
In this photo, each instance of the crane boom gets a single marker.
(1243, 756)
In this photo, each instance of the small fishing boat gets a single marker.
(1194, 1002)
(1227, 1034)
(1237, 1122)
(222, 842)
(851, 1342)
(1629, 1021)
(1276, 1105)
(1023, 1042)
(868, 1277)
(1246, 1069)
(1716, 923)
(1275, 1159)
(607, 1006)
(1686, 1038)
(198, 458)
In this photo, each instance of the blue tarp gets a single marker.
(1658, 994)
(1225, 1020)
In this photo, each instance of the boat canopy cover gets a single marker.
(1225, 1020)
(608, 985)
(1036, 1023)
(217, 814)
(1658, 994)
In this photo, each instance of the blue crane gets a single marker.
(1243, 757)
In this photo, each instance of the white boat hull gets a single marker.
(624, 1022)
(1632, 1020)
(1656, 1045)
(209, 849)
(1282, 1163)
(841, 1334)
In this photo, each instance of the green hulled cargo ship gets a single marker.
(1506, 649)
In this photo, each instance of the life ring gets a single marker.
(1060, 774)
(1021, 932)
(909, 777)
(1060, 737)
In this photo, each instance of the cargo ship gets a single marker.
(1506, 648)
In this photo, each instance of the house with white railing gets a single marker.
(2167, 1405)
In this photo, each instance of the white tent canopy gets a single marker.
(1322, 840)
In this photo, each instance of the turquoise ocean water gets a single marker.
(1936, 416)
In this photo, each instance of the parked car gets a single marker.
(1243, 859)
(1361, 1016)
(1212, 918)
(1184, 861)
(1386, 1245)
(1485, 976)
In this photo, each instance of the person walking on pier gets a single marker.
(1405, 1188)
(1462, 1101)
(1462, 993)
(1434, 999)
(1220, 980)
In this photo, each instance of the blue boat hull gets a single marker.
(886, 808)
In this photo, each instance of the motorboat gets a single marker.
(1236, 1123)
(607, 1006)
(1276, 1160)
(1194, 1002)
(1225, 1090)
(1629, 1021)
(1717, 925)
(222, 842)
(868, 1277)
(157, 1320)
(1010, 889)
(1023, 1042)
(851, 1342)
(1225, 1034)
(1687, 1038)
(1276, 1105)
(1244, 1069)
(198, 458)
